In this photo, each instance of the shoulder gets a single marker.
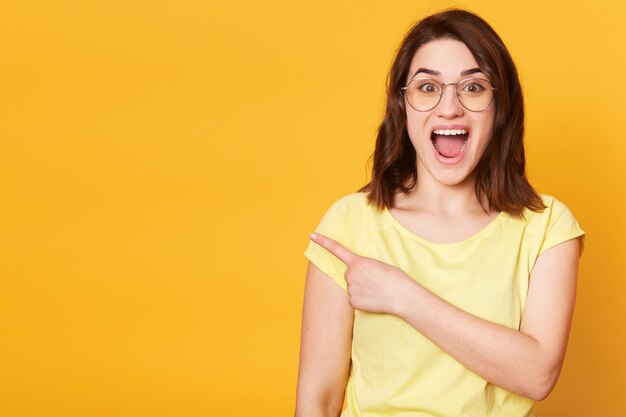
(351, 207)
(554, 207)
(352, 200)
(357, 219)
(554, 224)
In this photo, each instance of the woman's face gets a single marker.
(449, 159)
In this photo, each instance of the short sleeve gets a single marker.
(331, 226)
(562, 226)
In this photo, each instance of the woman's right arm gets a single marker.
(325, 346)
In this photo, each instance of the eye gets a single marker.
(427, 87)
(475, 87)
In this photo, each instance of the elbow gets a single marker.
(539, 393)
(542, 384)
(321, 404)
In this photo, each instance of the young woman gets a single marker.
(445, 286)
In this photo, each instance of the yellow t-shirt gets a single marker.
(395, 370)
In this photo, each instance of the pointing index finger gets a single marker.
(334, 247)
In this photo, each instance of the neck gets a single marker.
(446, 200)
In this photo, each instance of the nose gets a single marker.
(449, 105)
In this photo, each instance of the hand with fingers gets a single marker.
(373, 286)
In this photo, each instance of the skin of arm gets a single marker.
(325, 346)
(526, 362)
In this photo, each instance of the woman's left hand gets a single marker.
(373, 286)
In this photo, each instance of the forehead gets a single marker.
(448, 56)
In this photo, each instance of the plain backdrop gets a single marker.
(163, 162)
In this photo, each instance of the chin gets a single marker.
(451, 177)
(451, 181)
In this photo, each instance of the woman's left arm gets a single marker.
(526, 361)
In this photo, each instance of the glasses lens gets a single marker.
(423, 93)
(475, 94)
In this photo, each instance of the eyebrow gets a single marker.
(433, 72)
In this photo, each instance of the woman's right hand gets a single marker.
(373, 286)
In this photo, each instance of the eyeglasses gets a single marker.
(423, 94)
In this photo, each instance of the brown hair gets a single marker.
(500, 174)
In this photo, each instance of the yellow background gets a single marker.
(162, 163)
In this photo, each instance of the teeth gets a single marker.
(450, 132)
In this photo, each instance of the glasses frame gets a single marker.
(443, 88)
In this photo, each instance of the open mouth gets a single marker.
(449, 143)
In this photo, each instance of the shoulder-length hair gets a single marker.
(500, 174)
